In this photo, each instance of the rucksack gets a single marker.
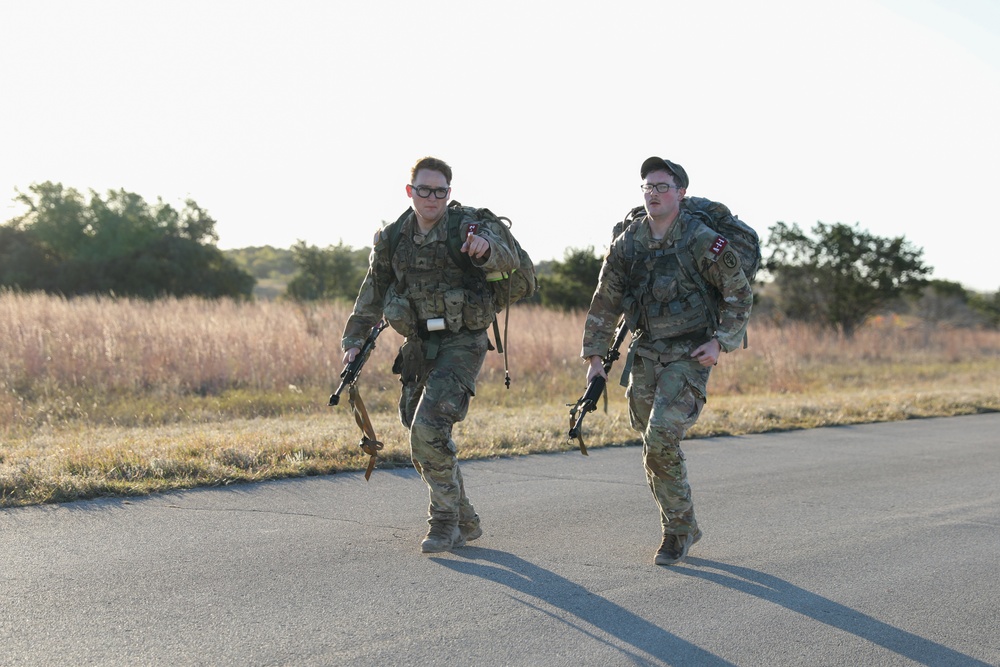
(506, 289)
(717, 216)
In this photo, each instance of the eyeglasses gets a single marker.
(659, 187)
(424, 192)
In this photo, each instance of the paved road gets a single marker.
(864, 545)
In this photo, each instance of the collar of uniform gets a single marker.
(435, 232)
(644, 234)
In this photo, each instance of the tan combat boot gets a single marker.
(675, 547)
(442, 537)
(471, 529)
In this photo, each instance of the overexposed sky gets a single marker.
(300, 120)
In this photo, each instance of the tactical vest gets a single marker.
(665, 296)
(432, 285)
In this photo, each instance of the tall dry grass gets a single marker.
(58, 356)
(55, 350)
(102, 395)
(168, 346)
(799, 357)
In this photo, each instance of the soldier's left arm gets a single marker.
(720, 265)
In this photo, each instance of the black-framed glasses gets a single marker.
(659, 187)
(424, 192)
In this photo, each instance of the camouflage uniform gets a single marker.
(666, 388)
(417, 282)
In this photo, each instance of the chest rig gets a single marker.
(439, 283)
(666, 296)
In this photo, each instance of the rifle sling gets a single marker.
(370, 444)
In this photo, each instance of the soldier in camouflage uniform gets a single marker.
(678, 333)
(443, 309)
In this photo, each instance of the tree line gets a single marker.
(836, 275)
(71, 244)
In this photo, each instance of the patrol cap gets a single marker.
(659, 164)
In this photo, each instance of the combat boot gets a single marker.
(675, 547)
(471, 529)
(442, 537)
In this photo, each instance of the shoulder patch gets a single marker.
(380, 235)
(718, 245)
(730, 259)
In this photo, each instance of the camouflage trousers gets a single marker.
(435, 396)
(665, 400)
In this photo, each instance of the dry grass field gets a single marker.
(107, 396)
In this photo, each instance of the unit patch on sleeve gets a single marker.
(730, 259)
(718, 245)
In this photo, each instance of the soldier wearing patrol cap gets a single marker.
(443, 308)
(679, 329)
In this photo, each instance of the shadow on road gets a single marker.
(818, 608)
(534, 582)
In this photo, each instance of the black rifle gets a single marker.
(596, 387)
(350, 373)
(370, 444)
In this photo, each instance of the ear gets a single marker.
(409, 191)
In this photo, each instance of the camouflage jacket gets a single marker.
(421, 272)
(718, 265)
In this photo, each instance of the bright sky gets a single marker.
(300, 119)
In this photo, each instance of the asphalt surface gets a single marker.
(864, 545)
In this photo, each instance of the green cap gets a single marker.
(659, 164)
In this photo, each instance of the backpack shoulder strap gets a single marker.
(685, 253)
(455, 241)
(395, 231)
(629, 233)
(692, 227)
(689, 264)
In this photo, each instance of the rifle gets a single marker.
(370, 444)
(353, 369)
(596, 387)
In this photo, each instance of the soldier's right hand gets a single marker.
(350, 354)
(596, 368)
(476, 246)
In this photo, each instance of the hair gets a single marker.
(433, 164)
